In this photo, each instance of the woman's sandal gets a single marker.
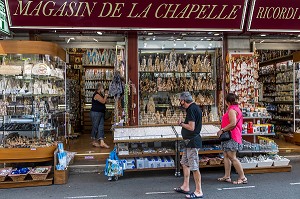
(224, 179)
(240, 181)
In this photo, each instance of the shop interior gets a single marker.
(205, 63)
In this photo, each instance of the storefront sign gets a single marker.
(274, 16)
(3, 19)
(124, 14)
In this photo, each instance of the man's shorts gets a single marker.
(190, 158)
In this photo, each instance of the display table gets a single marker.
(139, 135)
(21, 155)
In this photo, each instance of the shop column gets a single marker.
(133, 70)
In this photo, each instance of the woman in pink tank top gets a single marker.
(232, 121)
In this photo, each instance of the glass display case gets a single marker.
(32, 96)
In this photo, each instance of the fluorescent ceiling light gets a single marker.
(99, 33)
(71, 38)
(150, 33)
(95, 40)
(263, 35)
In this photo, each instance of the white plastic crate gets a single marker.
(265, 163)
(282, 162)
(249, 165)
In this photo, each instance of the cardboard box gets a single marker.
(61, 176)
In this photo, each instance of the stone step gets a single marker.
(87, 168)
(88, 162)
(90, 156)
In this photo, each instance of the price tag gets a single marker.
(33, 149)
(88, 157)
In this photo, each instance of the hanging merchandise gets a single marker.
(126, 95)
(116, 87)
(243, 75)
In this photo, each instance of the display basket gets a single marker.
(18, 177)
(203, 163)
(4, 172)
(215, 161)
(40, 176)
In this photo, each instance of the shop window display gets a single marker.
(33, 115)
(279, 79)
(170, 73)
(33, 99)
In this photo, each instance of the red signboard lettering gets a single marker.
(274, 16)
(125, 14)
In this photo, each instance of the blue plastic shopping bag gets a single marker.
(113, 166)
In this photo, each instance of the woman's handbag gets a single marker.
(226, 135)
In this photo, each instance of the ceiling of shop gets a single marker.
(92, 37)
(275, 37)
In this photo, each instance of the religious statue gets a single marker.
(166, 63)
(151, 106)
(172, 59)
(179, 65)
(197, 64)
(157, 66)
(143, 64)
(149, 64)
(162, 67)
(157, 117)
(191, 62)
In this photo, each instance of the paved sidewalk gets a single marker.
(160, 184)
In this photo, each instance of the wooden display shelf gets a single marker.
(97, 67)
(150, 169)
(208, 152)
(146, 155)
(15, 155)
(272, 169)
(211, 166)
(27, 183)
(146, 140)
(265, 134)
(32, 47)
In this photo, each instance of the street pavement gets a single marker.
(160, 184)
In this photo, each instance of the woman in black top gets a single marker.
(97, 115)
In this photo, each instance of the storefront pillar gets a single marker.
(133, 71)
